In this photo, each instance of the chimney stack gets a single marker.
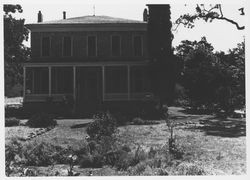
(64, 14)
(40, 17)
(145, 15)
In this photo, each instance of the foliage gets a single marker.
(208, 15)
(213, 81)
(190, 169)
(11, 122)
(163, 63)
(104, 125)
(15, 52)
(139, 121)
(43, 154)
(41, 120)
(91, 161)
(11, 151)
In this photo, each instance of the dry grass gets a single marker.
(216, 154)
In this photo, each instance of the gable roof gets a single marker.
(93, 20)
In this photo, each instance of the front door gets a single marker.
(89, 89)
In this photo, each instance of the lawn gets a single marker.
(217, 145)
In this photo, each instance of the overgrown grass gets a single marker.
(203, 155)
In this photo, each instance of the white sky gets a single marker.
(221, 34)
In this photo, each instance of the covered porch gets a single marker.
(89, 85)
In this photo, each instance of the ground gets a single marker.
(216, 144)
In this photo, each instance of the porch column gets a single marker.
(49, 80)
(74, 86)
(24, 81)
(103, 82)
(128, 82)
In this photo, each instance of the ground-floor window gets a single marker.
(139, 79)
(37, 80)
(61, 80)
(116, 79)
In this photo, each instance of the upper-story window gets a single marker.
(116, 45)
(137, 45)
(92, 46)
(67, 46)
(45, 46)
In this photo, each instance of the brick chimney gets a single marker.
(64, 14)
(39, 17)
(145, 15)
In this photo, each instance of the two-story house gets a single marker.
(95, 60)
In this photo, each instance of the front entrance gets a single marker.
(88, 90)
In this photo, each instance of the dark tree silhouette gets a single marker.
(214, 81)
(214, 12)
(14, 51)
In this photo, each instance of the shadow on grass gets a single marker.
(79, 125)
(222, 127)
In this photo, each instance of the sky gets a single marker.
(222, 35)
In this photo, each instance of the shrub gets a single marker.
(41, 120)
(12, 149)
(43, 154)
(190, 169)
(11, 122)
(139, 121)
(104, 125)
(124, 161)
(86, 161)
(91, 161)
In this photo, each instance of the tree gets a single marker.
(163, 62)
(214, 81)
(231, 94)
(214, 12)
(14, 51)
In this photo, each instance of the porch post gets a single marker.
(103, 82)
(24, 81)
(128, 82)
(49, 80)
(74, 87)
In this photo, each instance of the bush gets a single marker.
(11, 122)
(139, 121)
(91, 161)
(104, 125)
(43, 154)
(41, 120)
(190, 169)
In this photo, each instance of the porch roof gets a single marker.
(109, 63)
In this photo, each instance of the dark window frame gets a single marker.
(120, 41)
(88, 54)
(49, 47)
(134, 46)
(71, 47)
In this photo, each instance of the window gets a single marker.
(92, 46)
(137, 46)
(116, 80)
(61, 80)
(139, 79)
(67, 46)
(37, 80)
(45, 46)
(116, 45)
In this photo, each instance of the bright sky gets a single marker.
(223, 35)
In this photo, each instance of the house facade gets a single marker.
(88, 61)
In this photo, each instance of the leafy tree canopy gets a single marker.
(14, 51)
(213, 80)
